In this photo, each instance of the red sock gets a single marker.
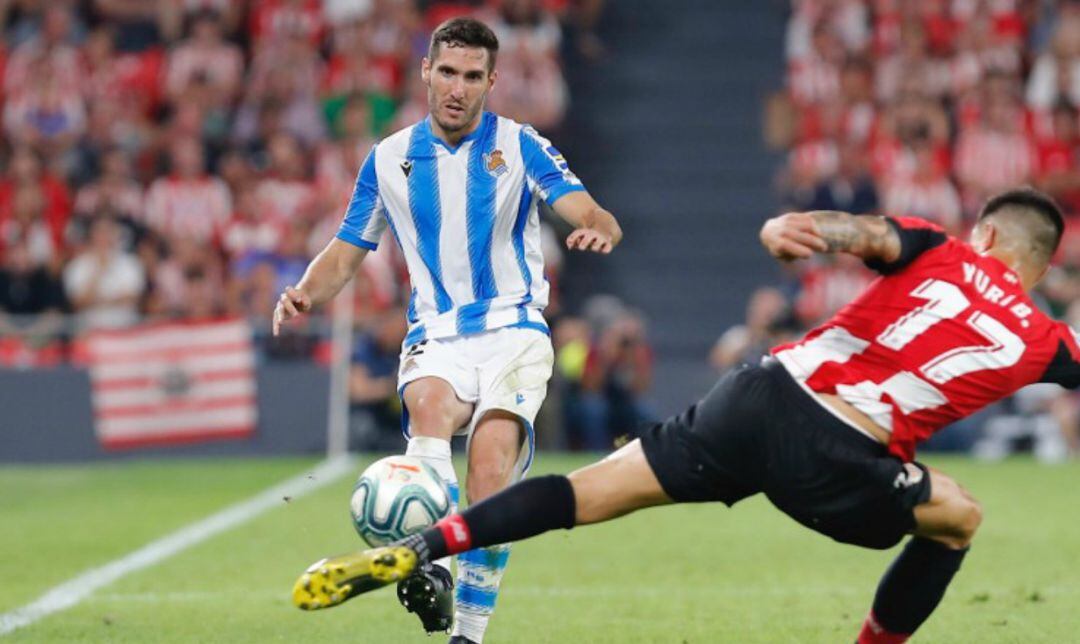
(874, 633)
(456, 534)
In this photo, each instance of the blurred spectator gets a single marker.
(235, 169)
(188, 281)
(137, 22)
(103, 283)
(356, 70)
(927, 192)
(205, 59)
(281, 94)
(617, 373)
(122, 92)
(994, 154)
(373, 396)
(27, 226)
(912, 67)
(851, 189)
(272, 21)
(45, 113)
(1061, 288)
(907, 122)
(260, 276)
(230, 12)
(337, 160)
(31, 298)
(249, 229)
(285, 192)
(51, 50)
(115, 191)
(769, 322)
(1057, 170)
(25, 171)
(814, 76)
(531, 88)
(847, 19)
(1056, 74)
(188, 202)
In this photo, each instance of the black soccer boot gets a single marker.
(429, 592)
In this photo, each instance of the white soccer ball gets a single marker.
(397, 496)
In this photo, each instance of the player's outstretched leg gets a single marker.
(616, 486)
(329, 582)
(429, 592)
(613, 487)
(434, 413)
(916, 581)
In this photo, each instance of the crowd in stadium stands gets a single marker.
(184, 159)
(926, 108)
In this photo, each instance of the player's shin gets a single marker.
(480, 572)
(436, 453)
(523, 510)
(910, 590)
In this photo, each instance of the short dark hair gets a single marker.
(464, 32)
(1043, 220)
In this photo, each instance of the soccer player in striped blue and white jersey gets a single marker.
(459, 191)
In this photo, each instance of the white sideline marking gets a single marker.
(75, 590)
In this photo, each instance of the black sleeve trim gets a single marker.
(1063, 370)
(913, 242)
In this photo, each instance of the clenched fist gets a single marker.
(792, 236)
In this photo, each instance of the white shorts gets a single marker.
(506, 369)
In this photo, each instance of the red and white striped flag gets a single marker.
(172, 383)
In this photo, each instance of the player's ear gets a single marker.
(491, 79)
(425, 71)
(984, 236)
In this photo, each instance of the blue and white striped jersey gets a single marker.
(466, 220)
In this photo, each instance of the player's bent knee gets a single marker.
(964, 518)
(972, 517)
(430, 416)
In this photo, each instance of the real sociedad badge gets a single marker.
(495, 163)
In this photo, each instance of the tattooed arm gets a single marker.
(798, 235)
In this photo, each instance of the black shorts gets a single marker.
(759, 431)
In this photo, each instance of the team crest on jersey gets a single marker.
(495, 163)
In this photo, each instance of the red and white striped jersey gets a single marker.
(192, 208)
(942, 333)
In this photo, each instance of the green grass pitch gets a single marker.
(680, 574)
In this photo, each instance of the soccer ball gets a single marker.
(397, 496)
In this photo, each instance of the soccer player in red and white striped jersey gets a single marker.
(827, 427)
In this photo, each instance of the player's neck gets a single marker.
(452, 139)
(1027, 279)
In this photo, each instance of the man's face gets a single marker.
(458, 83)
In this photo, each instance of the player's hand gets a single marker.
(291, 304)
(589, 239)
(792, 236)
